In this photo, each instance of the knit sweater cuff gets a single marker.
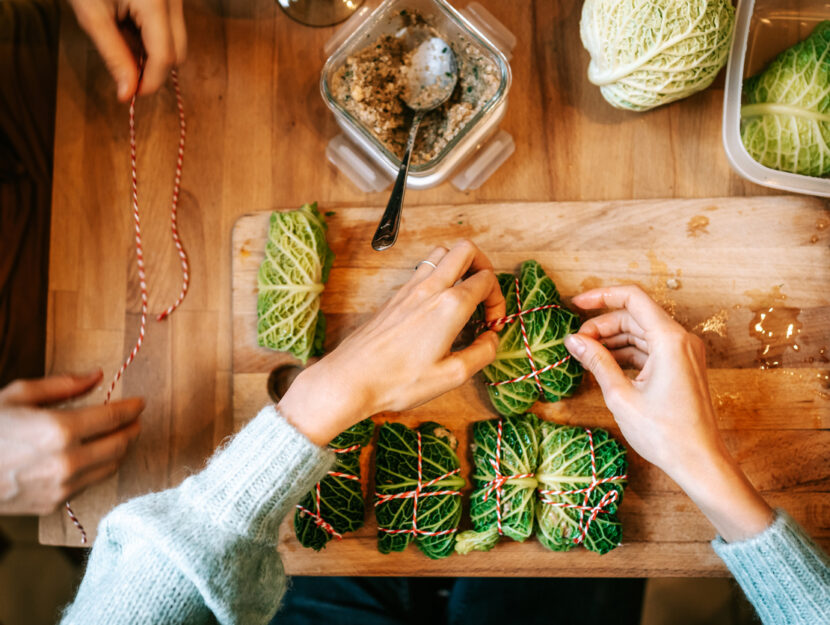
(258, 477)
(783, 573)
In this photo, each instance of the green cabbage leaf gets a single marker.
(546, 330)
(290, 280)
(341, 498)
(519, 452)
(396, 465)
(785, 119)
(645, 53)
(565, 465)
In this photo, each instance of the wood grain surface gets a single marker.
(776, 421)
(257, 131)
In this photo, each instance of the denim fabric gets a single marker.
(438, 601)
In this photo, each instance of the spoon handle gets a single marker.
(387, 232)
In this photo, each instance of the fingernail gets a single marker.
(123, 89)
(575, 345)
(89, 375)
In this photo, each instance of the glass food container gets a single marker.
(477, 151)
(763, 29)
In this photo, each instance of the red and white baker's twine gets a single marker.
(592, 511)
(496, 485)
(316, 516)
(520, 314)
(415, 495)
(139, 250)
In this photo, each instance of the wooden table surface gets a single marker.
(257, 130)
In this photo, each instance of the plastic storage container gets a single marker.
(475, 153)
(763, 29)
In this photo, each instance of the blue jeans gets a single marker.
(440, 601)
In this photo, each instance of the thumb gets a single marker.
(103, 30)
(596, 358)
(459, 367)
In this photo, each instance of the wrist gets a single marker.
(319, 406)
(723, 493)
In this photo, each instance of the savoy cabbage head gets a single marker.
(338, 506)
(546, 330)
(515, 455)
(785, 120)
(565, 468)
(645, 53)
(290, 280)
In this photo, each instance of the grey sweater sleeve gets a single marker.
(783, 573)
(205, 551)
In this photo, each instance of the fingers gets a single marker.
(459, 367)
(92, 421)
(624, 340)
(644, 310)
(630, 357)
(104, 450)
(153, 19)
(425, 269)
(101, 26)
(464, 256)
(177, 26)
(49, 390)
(611, 324)
(599, 361)
(483, 286)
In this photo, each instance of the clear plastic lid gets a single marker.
(386, 19)
(479, 149)
(763, 29)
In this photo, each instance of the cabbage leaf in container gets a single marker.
(645, 53)
(565, 465)
(396, 479)
(546, 330)
(290, 280)
(785, 119)
(517, 456)
(341, 507)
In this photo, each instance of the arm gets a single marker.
(209, 546)
(666, 415)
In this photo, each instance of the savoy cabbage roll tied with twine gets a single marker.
(646, 53)
(531, 359)
(503, 502)
(581, 475)
(335, 505)
(785, 118)
(291, 278)
(417, 489)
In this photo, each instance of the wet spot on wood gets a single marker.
(697, 226)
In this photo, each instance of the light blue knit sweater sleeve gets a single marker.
(205, 551)
(783, 573)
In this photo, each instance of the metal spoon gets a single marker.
(430, 80)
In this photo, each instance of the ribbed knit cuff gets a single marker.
(259, 476)
(783, 573)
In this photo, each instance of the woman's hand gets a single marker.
(163, 35)
(401, 357)
(48, 455)
(666, 413)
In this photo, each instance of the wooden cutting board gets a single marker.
(716, 264)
